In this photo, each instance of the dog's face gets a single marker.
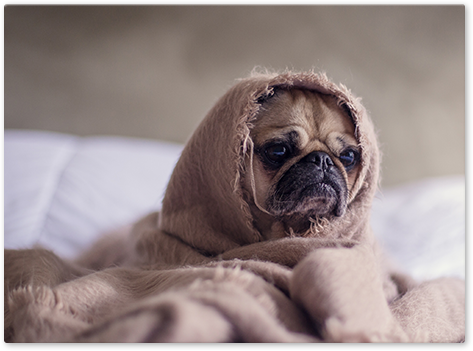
(306, 160)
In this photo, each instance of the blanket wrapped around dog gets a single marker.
(200, 271)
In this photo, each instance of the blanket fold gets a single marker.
(201, 271)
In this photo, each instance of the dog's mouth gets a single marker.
(295, 210)
(319, 199)
(300, 195)
(320, 196)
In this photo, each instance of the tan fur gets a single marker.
(202, 270)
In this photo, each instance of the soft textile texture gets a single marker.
(211, 171)
(242, 289)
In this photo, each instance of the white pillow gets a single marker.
(62, 191)
(422, 226)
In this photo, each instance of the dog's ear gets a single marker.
(265, 97)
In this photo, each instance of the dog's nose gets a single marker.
(320, 159)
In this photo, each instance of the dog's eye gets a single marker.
(349, 158)
(277, 153)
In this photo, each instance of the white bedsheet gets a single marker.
(63, 191)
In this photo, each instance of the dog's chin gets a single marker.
(319, 200)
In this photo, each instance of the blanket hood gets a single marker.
(204, 205)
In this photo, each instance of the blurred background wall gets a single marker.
(154, 71)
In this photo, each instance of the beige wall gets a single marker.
(155, 71)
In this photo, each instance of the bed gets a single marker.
(62, 192)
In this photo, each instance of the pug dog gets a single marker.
(306, 162)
